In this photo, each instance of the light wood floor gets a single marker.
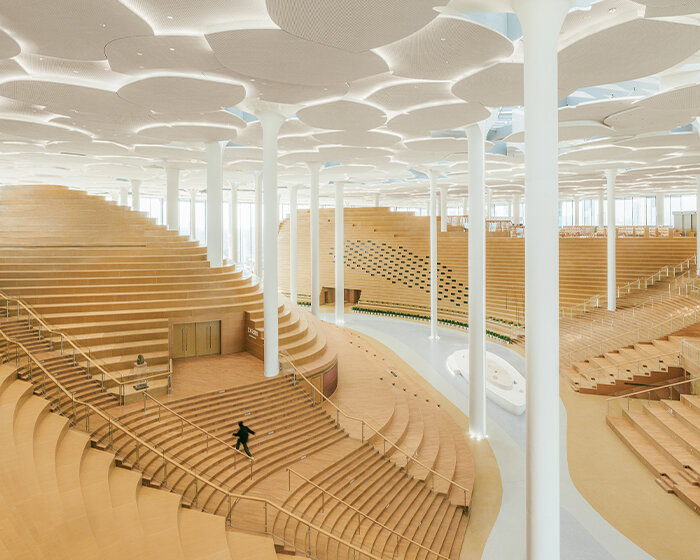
(620, 488)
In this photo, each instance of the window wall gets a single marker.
(677, 203)
(153, 207)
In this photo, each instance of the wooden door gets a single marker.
(208, 338)
(184, 341)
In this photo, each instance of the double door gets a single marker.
(196, 339)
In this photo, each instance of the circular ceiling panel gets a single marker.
(595, 110)
(174, 94)
(402, 97)
(500, 85)
(40, 132)
(352, 26)
(370, 138)
(628, 51)
(172, 53)
(638, 120)
(69, 28)
(68, 98)
(446, 48)
(342, 115)
(272, 54)
(189, 132)
(684, 98)
(438, 117)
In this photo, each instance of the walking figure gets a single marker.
(242, 435)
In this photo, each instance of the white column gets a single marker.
(314, 169)
(136, 194)
(124, 196)
(172, 198)
(258, 224)
(477, 283)
(193, 213)
(339, 254)
(293, 243)
(271, 123)
(577, 219)
(434, 174)
(660, 210)
(610, 175)
(697, 224)
(376, 199)
(215, 202)
(541, 21)
(233, 223)
(601, 209)
(489, 204)
(443, 208)
(516, 209)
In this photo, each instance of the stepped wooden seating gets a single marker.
(62, 499)
(665, 436)
(387, 258)
(115, 282)
(291, 431)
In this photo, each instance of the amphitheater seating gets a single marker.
(62, 499)
(291, 431)
(604, 352)
(665, 436)
(387, 258)
(115, 282)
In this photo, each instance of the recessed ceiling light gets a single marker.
(612, 10)
(76, 71)
(171, 49)
(139, 54)
(170, 17)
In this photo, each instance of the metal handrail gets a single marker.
(595, 301)
(610, 400)
(638, 330)
(76, 347)
(160, 404)
(232, 496)
(361, 513)
(618, 365)
(363, 422)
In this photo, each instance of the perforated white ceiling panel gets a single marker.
(356, 26)
(179, 94)
(446, 48)
(272, 54)
(342, 115)
(438, 117)
(70, 28)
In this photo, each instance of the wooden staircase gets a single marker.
(60, 498)
(665, 436)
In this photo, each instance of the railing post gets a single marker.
(165, 470)
(87, 418)
(144, 403)
(73, 407)
(74, 355)
(196, 490)
(265, 508)
(111, 442)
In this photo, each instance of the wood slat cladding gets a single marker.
(387, 258)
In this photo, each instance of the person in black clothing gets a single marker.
(242, 435)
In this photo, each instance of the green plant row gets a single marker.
(450, 322)
(506, 322)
